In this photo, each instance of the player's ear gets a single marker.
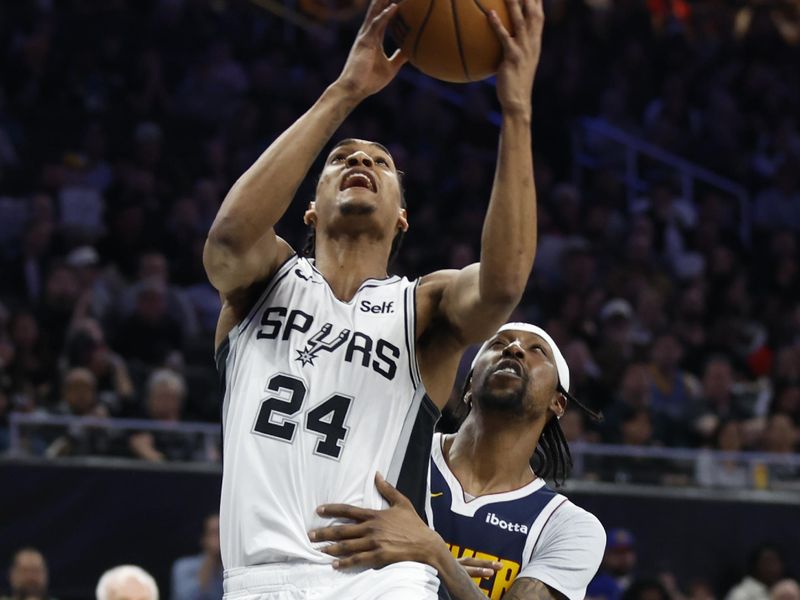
(310, 216)
(402, 220)
(558, 404)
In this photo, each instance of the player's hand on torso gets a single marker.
(520, 53)
(368, 70)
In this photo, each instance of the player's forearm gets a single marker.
(455, 578)
(260, 197)
(508, 243)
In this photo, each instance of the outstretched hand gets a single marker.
(521, 53)
(377, 537)
(368, 70)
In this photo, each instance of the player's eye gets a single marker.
(379, 160)
(338, 157)
(538, 347)
(496, 343)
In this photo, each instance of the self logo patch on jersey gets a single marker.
(317, 343)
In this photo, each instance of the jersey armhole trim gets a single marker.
(410, 306)
(528, 554)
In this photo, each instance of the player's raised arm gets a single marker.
(242, 247)
(480, 297)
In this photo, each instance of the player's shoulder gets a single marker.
(436, 281)
(572, 520)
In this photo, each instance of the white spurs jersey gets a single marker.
(319, 394)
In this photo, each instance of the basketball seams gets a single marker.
(481, 7)
(457, 27)
(422, 28)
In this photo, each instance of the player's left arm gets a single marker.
(481, 296)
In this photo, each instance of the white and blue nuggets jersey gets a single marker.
(319, 394)
(532, 531)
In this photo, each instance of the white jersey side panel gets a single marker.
(319, 395)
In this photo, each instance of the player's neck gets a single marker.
(491, 454)
(346, 262)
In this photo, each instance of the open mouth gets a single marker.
(508, 367)
(358, 178)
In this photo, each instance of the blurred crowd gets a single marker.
(124, 123)
(765, 576)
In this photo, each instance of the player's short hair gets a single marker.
(121, 573)
(309, 248)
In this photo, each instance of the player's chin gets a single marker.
(357, 207)
(503, 394)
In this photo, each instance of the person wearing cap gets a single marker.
(490, 507)
(617, 571)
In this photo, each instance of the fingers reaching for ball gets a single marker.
(521, 50)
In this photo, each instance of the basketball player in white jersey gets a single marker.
(486, 501)
(333, 369)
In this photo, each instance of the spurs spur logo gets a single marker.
(318, 342)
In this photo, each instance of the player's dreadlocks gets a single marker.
(552, 458)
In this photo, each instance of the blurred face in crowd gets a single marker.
(636, 386)
(717, 380)
(729, 437)
(787, 589)
(24, 331)
(165, 401)
(28, 574)
(61, 286)
(129, 588)
(667, 353)
(358, 192)
(151, 304)
(619, 561)
(768, 566)
(637, 430)
(780, 434)
(78, 391)
(210, 540)
(153, 266)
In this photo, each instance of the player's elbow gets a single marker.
(216, 263)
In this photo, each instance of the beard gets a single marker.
(510, 400)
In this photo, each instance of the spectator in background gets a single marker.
(126, 582)
(79, 399)
(673, 391)
(765, 568)
(634, 395)
(28, 576)
(646, 589)
(617, 570)
(150, 333)
(200, 577)
(615, 343)
(779, 205)
(725, 473)
(153, 267)
(32, 363)
(166, 394)
(780, 437)
(785, 589)
(718, 401)
(86, 347)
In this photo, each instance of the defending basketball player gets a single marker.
(486, 501)
(333, 369)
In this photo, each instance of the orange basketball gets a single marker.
(450, 40)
